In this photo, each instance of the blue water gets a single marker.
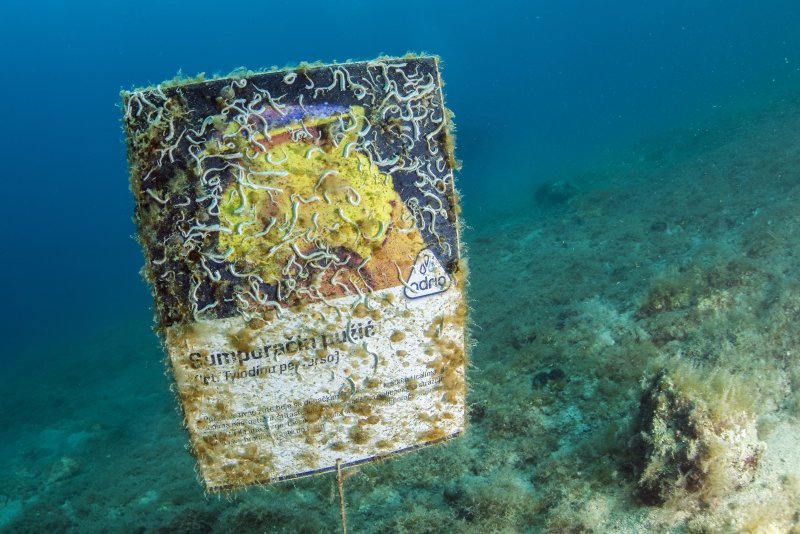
(540, 90)
(537, 87)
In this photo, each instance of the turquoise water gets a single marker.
(630, 182)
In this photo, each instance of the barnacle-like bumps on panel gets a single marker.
(301, 233)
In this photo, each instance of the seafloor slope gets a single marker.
(636, 369)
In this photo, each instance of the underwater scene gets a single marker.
(363, 267)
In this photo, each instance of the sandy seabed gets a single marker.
(635, 369)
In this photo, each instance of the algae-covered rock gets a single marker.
(682, 446)
(555, 193)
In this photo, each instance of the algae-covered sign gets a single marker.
(301, 235)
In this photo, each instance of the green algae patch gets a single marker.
(681, 449)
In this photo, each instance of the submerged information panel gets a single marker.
(301, 235)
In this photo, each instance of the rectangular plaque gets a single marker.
(301, 235)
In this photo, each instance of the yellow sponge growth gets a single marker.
(300, 196)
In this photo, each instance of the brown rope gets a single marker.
(340, 483)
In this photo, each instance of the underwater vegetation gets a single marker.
(642, 374)
(680, 447)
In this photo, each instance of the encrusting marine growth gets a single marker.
(302, 240)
